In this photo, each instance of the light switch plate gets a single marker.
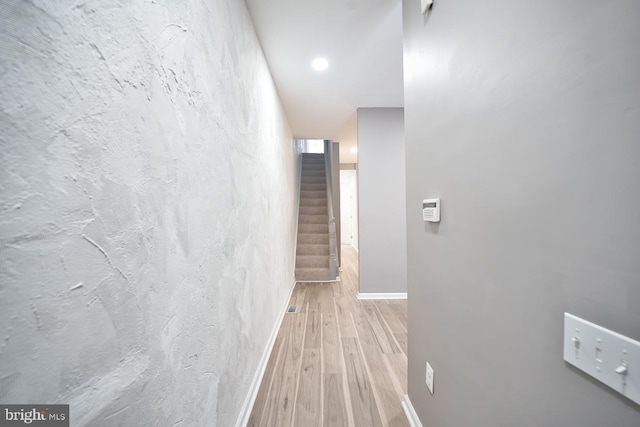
(609, 357)
(429, 378)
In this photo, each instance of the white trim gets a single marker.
(319, 281)
(297, 218)
(382, 295)
(250, 399)
(407, 406)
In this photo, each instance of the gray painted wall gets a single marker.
(381, 200)
(524, 117)
(147, 198)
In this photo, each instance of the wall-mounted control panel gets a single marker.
(609, 357)
(431, 210)
(425, 5)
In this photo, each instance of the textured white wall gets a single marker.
(147, 209)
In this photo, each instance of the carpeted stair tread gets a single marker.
(312, 261)
(313, 249)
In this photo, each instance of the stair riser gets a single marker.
(313, 166)
(313, 172)
(314, 180)
(313, 202)
(313, 210)
(313, 194)
(313, 187)
(313, 239)
(313, 219)
(313, 228)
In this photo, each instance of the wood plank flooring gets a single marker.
(337, 361)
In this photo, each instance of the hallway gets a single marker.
(337, 361)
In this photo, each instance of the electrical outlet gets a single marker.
(429, 378)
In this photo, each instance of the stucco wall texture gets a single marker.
(146, 209)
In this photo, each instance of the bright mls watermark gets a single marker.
(37, 415)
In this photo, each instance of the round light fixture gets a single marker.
(354, 150)
(320, 64)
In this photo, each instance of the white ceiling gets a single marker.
(361, 39)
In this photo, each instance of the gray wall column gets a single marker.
(381, 200)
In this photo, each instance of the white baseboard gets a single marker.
(407, 406)
(390, 295)
(250, 399)
(319, 281)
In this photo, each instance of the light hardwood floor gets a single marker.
(337, 361)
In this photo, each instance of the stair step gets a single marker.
(312, 253)
(313, 239)
(313, 194)
(312, 261)
(313, 219)
(312, 274)
(313, 210)
(311, 249)
(314, 180)
(313, 186)
(313, 166)
(313, 228)
(313, 202)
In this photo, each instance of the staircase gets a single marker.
(312, 255)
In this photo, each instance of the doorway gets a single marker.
(315, 146)
(349, 208)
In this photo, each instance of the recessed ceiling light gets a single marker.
(320, 64)
(354, 150)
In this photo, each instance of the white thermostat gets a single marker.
(425, 5)
(431, 210)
